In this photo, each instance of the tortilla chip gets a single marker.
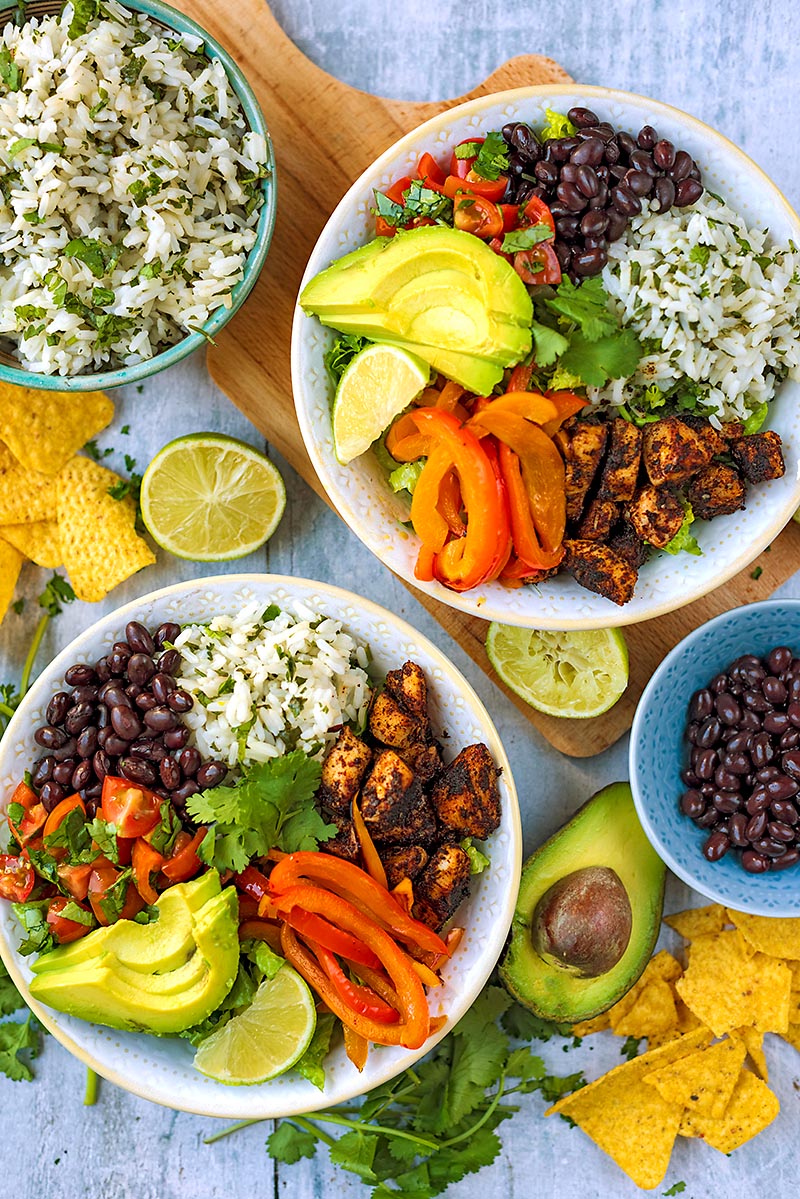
(25, 495)
(653, 1012)
(779, 936)
(10, 565)
(99, 544)
(702, 1081)
(663, 966)
(657, 1039)
(38, 542)
(629, 1120)
(687, 1021)
(585, 1028)
(725, 989)
(792, 1035)
(752, 1107)
(694, 922)
(43, 429)
(794, 966)
(753, 1042)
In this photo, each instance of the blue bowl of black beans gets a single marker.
(715, 759)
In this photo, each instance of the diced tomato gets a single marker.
(184, 862)
(395, 192)
(490, 189)
(496, 244)
(545, 256)
(431, 173)
(536, 212)
(32, 823)
(474, 214)
(510, 217)
(133, 810)
(102, 878)
(76, 879)
(63, 929)
(146, 862)
(460, 167)
(24, 795)
(61, 811)
(16, 877)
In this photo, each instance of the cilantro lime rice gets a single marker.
(129, 188)
(268, 681)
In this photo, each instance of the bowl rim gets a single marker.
(506, 902)
(482, 606)
(635, 768)
(172, 17)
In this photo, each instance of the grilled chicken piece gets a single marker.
(407, 729)
(539, 576)
(716, 491)
(673, 452)
(345, 843)
(711, 437)
(628, 545)
(732, 430)
(409, 688)
(343, 770)
(759, 456)
(656, 515)
(621, 467)
(405, 862)
(598, 520)
(466, 797)
(442, 886)
(584, 454)
(600, 569)
(392, 803)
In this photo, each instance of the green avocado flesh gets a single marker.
(161, 977)
(604, 832)
(441, 293)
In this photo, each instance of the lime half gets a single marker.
(577, 674)
(267, 1038)
(209, 498)
(375, 388)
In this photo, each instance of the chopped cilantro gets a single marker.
(10, 73)
(104, 835)
(467, 150)
(100, 257)
(33, 918)
(700, 254)
(141, 190)
(548, 342)
(10, 998)
(125, 487)
(94, 451)
(526, 239)
(756, 572)
(586, 305)
(125, 429)
(101, 103)
(676, 1189)
(102, 297)
(29, 312)
(492, 157)
(113, 900)
(422, 201)
(394, 214)
(270, 613)
(132, 69)
(756, 418)
(72, 911)
(83, 11)
(630, 1047)
(738, 285)
(18, 606)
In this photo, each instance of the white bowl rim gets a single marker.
(710, 891)
(506, 905)
(482, 607)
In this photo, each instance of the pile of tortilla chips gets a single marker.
(54, 504)
(701, 1024)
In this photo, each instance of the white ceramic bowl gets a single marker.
(358, 490)
(160, 1068)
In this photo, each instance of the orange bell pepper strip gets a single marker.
(423, 567)
(567, 403)
(542, 471)
(355, 885)
(504, 540)
(449, 396)
(184, 862)
(429, 524)
(361, 999)
(530, 404)
(372, 860)
(145, 861)
(356, 1047)
(526, 543)
(261, 930)
(404, 441)
(322, 932)
(450, 501)
(413, 1027)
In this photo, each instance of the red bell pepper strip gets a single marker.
(252, 882)
(261, 930)
(360, 999)
(431, 173)
(146, 861)
(320, 930)
(355, 885)
(184, 862)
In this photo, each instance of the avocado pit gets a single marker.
(582, 924)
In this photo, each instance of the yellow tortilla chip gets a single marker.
(694, 922)
(25, 495)
(794, 966)
(752, 1107)
(726, 989)
(10, 565)
(792, 1035)
(779, 936)
(38, 541)
(753, 1042)
(663, 966)
(585, 1028)
(702, 1081)
(629, 1120)
(652, 1013)
(99, 544)
(43, 429)
(657, 1039)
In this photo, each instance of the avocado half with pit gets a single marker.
(588, 913)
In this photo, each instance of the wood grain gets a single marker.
(325, 133)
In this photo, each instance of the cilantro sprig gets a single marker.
(575, 327)
(57, 593)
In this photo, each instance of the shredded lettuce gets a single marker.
(405, 478)
(756, 418)
(557, 125)
(684, 539)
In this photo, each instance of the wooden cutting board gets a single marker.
(325, 134)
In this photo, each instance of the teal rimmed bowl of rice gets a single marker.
(137, 191)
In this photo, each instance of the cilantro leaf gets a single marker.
(71, 911)
(700, 254)
(586, 306)
(756, 419)
(83, 11)
(526, 239)
(492, 157)
(677, 1188)
(355, 1151)
(32, 917)
(73, 835)
(15, 1038)
(630, 1048)
(99, 256)
(467, 150)
(288, 1143)
(10, 998)
(596, 361)
(104, 836)
(10, 73)
(113, 901)
(393, 213)
(548, 343)
(422, 201)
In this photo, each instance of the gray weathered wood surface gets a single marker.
(733, 65)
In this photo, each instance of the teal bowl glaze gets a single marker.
(658, 753)
(168, 16)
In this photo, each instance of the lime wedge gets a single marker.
(563, 674)
(209, 498)
(264, 1040)
(375, 388)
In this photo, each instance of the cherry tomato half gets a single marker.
(133, 810)
(184, 862)
(475, 214)
(65, 930)
(460, 167)
(542, 255)
(490, 189)
(536, 212)
(431, 173)
(102, 878)
(16, 877)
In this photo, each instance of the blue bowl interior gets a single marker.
(170, 17)
(658, 752)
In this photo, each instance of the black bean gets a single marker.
(782, 786)
(766, 845)
(793, 712)
(133, 690)
(663, 154)
(138, 770)
(92, 795)
(736, 763)
(687, 192)
(87, 694)
(180, 700)
(102, 764)
(49, 737)
(664, 196)
(182, 793)
(716, 846)
(570, 197)
(166, 632)
(779, 658)
(146, 701)
(751, 721)
(642, 161)
(170, 773)
(600, 200)
(728, 709)
(790, 858)
(594, 224)
(102, 671)
(77, 718)
(755, 863)
(141, 669)
(647, 137)
(103, 718)
(739, 743)
(116, 745)
(709, 818)
(639, 182)
(701, 704)
(709, 732)
(767, 773)
(756, 826)
(785, 811)
(547, 173)
(176, 738)
(617, 224)
(138, 638)
(51, 794)
(57, 708)
(589, 153)
(103, 735)
(756, 701)
(63, 772)
(113, 695)
(587, 182)
(681, 166)
(790, 763)
(762, 751)
(780, 831)
(737, 826)
(211, 774)
(83, 775)
(691, 803)
(86, 743)
(117, 664)
(583, 118)
(726, 780)
(774, 690)
(189, 761)
(589, 261)
(567, 227)
(160, 719)
(161, 686)
(126, 723)
(625, 201)
(42, 771)
(776, 723)
(67, 750)
(726, 802)
(79, 675)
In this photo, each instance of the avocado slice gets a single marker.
(605, 832)
(107, 991)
